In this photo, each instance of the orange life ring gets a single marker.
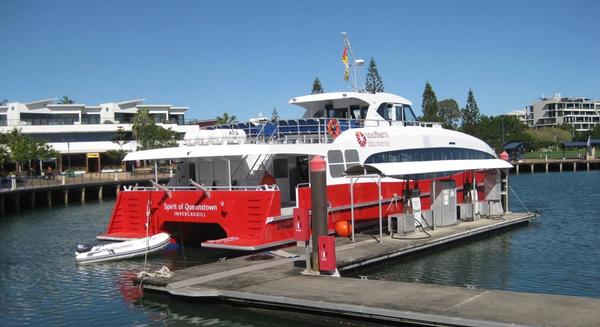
(333, 128)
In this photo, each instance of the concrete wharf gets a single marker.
(270, 280)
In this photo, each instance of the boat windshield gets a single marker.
(409, 115)
(397, 112)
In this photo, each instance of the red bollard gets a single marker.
(301, 225)
(327, 253)
(318, 199)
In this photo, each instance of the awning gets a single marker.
(225, 150)
(398, 169)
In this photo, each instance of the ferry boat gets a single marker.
(236, 185)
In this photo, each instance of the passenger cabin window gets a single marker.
(428, 154)
(351, 158)
(336, 163)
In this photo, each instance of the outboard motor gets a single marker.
(82, 248)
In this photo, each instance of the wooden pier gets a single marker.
(554, 165)
(276, 281)
(36, 192)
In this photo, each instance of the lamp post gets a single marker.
(502, 130)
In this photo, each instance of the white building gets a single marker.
(82, 133)
(581, 113)
(520, 114)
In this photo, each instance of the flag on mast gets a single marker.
(345, 57)
(347, 67)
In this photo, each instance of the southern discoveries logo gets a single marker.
(373, 139)
(189, 210)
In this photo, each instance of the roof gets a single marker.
(130, 102)
(579, 144)
(514, 145)
(366, 97)
(399, 169)
(225, 150)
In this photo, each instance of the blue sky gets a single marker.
(246, 57)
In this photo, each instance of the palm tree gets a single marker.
(65, 100)
(226, 119)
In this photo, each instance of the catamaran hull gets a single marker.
(253, 219)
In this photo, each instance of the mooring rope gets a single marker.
(519, 199)
(163, 272)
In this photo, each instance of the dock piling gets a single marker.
(318, 195)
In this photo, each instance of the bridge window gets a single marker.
(409, 115)
(385, 111)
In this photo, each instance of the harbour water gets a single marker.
(40, 284)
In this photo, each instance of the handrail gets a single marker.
(209, 188)
(161, 187)
(299, 129)
(201, 187)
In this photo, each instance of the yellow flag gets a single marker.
(345, 57)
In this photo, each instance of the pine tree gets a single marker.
(374, 83)
(471, 115)
(317, 87)
(430, 105)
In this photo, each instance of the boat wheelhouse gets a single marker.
(236, 185)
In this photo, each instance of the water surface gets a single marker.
(40, 284)
(558, 253)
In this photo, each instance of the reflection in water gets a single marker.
(40, 284)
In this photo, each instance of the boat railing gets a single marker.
(206, 188)
(307, 130)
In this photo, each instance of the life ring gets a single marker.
(333, 128)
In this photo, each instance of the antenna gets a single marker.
(352, 66)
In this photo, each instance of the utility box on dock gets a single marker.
(466, 212)
(444, 203)
(301, 225)
(327, 260)
(493, 195)
(401, 223)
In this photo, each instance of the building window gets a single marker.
(49, 119)
(90, 119)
